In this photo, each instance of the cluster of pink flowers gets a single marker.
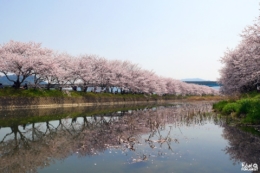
(30, 59)
(241, 71)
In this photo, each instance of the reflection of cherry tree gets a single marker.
(40, 144)
(243, 146)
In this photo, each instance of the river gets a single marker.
(181, 137)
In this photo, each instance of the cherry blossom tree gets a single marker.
(20, 59)
(150, 82)
(241, 71)
(119, 75)
(134, 76)
(66, 73)
(103, 72)
(59, 69)
(30, 59)
(87, 70)
(51, 74)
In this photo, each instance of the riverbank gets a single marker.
(245, 108)
(53, 102)
(28, 99)
(25, 116)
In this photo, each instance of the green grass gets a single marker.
(253, 94)
(230, 108)
(11, 92)
(247, 108)
(220, 105)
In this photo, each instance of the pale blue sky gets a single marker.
(174, 38)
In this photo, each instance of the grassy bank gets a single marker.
(246, 107)
(204, 98)
(11, 92)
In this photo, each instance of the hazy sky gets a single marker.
(174, 38)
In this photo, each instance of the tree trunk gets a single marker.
(48, 86)
(17, 84)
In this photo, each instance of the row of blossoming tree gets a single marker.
(30, 59)
(241, 71)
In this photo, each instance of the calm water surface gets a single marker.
(179, 138)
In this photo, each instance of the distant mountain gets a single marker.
(193, 79)
(5, 81)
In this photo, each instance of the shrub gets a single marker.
(252, 110)
(220, 105)
(231, 107)
(246, 106)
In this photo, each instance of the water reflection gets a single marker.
(141, 135)
(243, 146)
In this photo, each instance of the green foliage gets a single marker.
(231, 107)
(251, 94)
(246, 105)
(220, 105)
(248, 108)
(252, 110)
(11, 92)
